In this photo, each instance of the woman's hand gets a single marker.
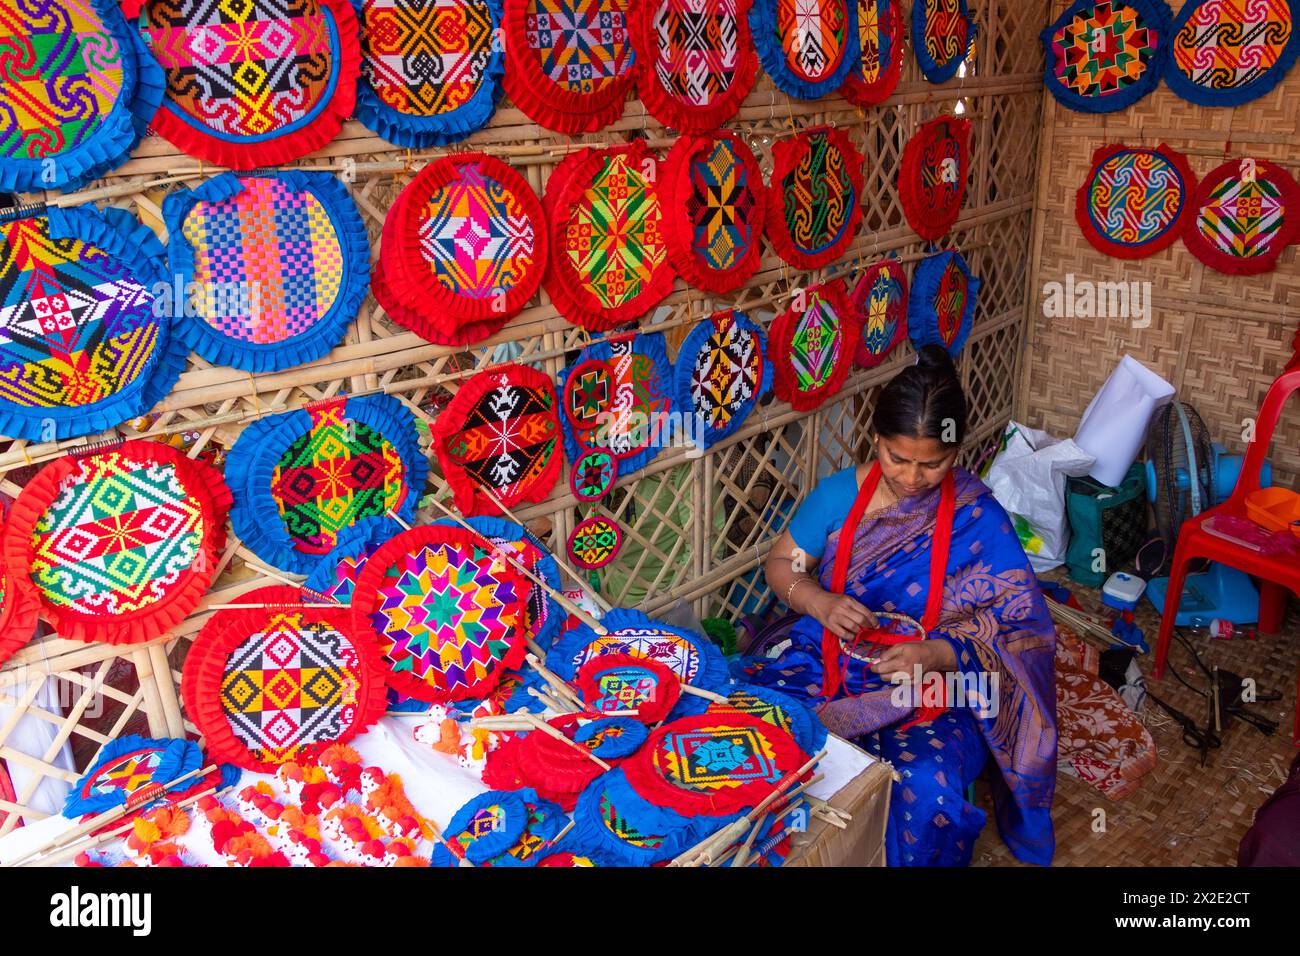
(841, 615)
(933, 654)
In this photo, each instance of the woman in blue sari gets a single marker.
(873, 539)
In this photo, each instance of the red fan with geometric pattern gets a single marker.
(814, 201)
(813, 344)
(19, 612)
(932, 176)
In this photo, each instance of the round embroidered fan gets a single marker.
(880, 53)
(694, 659)
(120, 545)
(84, 343)
(779, 710)
(335, 575)
(814, 203)
(485, 827)
(545, 821)
(284, 260)
(1228, 52)
(807, 47)
(431, 70)
(269, 685)
(1247, 213)
(449, 613)
(613, 398)
(612, 738)
(942, 34)
(613, 822)
(254, 83)
(1136, 201)
(716, 186)
(128, 770)
(696, 60)
(932, 177)
(435, 281)
(301, 478)
(498, 440)
(623, 682)
(595, 542)
(571, 62)
(593, 475)
(879, 303)
(609, 253)
(1105, 55)
(19, 610)
(720, 375)
(77, 93)
(941, 309)
(713, 764)
(813, 343)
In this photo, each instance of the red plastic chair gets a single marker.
(1278, 577)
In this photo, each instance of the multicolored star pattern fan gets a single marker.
(253, 83)
(609, 262)
(283, 260)
(941, 309)
(119, 545)
(721, 374)
(696, 60)
(84, 342)
(77, 93)
(1136, 200)
(450, 613)
(431, 70)
(282, 682)
(1105, 55)
(1229, 52)
(879, 302)
(714, 179)
(595, 542)
(942, 35)
(807, 47)
(813, 343)
(814, 200)
(1247, 213)
(880, 53)
(932, 176)
(593, 475)
(571, 62)
(498, 440)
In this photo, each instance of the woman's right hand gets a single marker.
(842, 615)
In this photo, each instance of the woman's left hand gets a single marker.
(932, 654)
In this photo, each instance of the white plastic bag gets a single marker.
(1114, 425)
(1028, 479)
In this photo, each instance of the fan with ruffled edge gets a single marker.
(431, 73)
(19, 610)
(80, 89)
(1247, 213)
(941, 307)
(942, 35)
(808, 47)
(119, 545)
(781, 710)
(932, 176)
(813, 343)
(879, 301)
(609, 252)
(722, 372)
(285, 468)
(696, 61)
(1136, 200)
(450, 614)
(281, 262)
(429, 279)
(1229, 52)
(616, 397)
(814, 201)
(874, 77)
(282, 682)
(99, 278)
(622, 682)
(714, 185)
(276, 93)
(1105, 55)
(571, 62)
(335, 575)
(485, 827)
(124, 767)
(498, 440)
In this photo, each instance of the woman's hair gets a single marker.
(922, 399)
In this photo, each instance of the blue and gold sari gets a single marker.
(998, 624)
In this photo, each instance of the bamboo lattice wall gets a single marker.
(698, 527)
(1219, 339)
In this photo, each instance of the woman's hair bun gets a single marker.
(935, 357)
(924, 400)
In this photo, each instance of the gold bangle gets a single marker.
(789, 592)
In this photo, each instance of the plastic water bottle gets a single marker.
(1217, 628)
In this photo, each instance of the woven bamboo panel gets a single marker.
(1219, 339)
(698, 527)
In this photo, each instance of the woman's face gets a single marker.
(913, 466)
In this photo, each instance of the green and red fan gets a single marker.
(813, 344)
(814, 201)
